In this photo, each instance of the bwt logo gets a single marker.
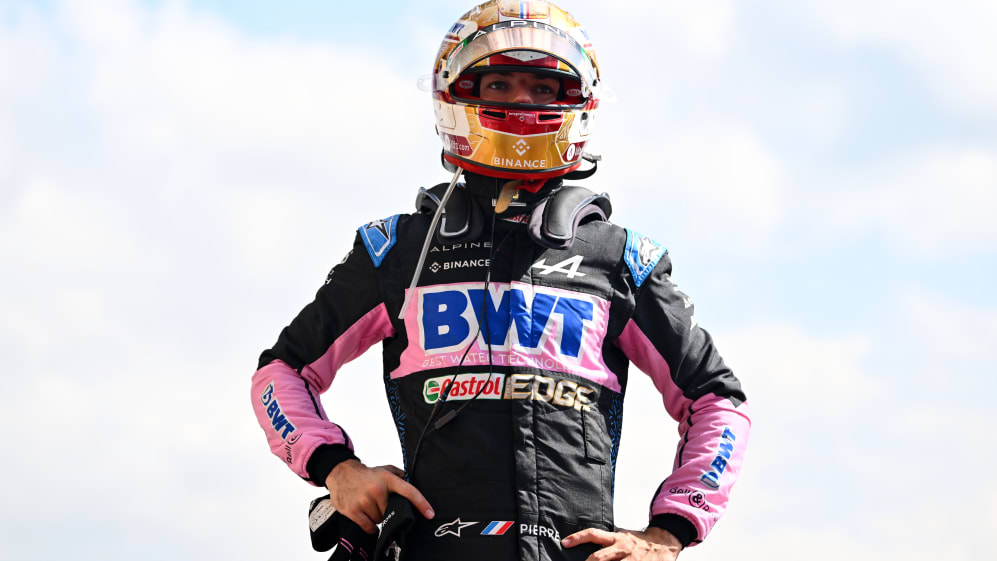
(724, 451)
(449, 318)
(280, 424)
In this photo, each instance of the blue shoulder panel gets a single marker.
(642, 254)
(379, 237)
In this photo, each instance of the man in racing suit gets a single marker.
(506, 364)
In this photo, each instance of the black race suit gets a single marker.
(532, 458)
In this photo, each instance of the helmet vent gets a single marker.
(493, 114)
(545, 117)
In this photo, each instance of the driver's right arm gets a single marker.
(347, 316)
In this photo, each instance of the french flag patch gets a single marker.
(497, 528)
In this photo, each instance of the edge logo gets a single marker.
(278, 421)
(544, 388)
(719, 464)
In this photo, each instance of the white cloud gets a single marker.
(806, 375)
(950, 43)
(949, 327)
(6, 151)
(700, 29)
(939, 200)
(718, 171)
(194, 89)
(79, 228)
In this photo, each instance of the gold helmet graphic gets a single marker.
(534, 136)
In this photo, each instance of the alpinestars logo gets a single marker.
(452, 528)
(521, 147)
(569, 267)
(647, 250)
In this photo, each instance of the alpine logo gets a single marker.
(497, 528)
(278, 421)
(724, 451)
(527, 318)
(464, 387)
(521, 147)
(569, 267)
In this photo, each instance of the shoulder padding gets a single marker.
(462, 220)
(554, 221)
(379, 237)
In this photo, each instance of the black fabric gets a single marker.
(678, 339)
(679, 526)
(399, 519)
(544, 465)
(324, 458)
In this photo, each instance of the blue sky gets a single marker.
(176, 177)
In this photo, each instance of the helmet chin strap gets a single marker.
(425, 245)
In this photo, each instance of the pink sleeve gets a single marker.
(714, 434)
(287, 404)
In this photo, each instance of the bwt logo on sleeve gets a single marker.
(527, 319)
(280, 424)
(724, 451)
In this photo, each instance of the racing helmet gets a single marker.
(515, 140)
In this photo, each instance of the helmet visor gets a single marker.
(530, 36)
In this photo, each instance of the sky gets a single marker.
(177, 177)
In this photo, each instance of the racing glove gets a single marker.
(331, 529)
